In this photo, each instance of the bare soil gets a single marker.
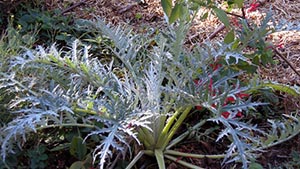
(137, 15)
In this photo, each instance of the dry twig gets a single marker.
(279, 55)
(73, 6)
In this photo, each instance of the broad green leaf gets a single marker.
(43, 157)
(194, 6)
(229, 37)
(239, 3)
(185, 13)
(235, 45)
(176, 13)
(266, 57)
(242, 65)
(204, 16)
(78, 165)
(167, 6)
(78, 148)
(256, 59)
(255, 165)
(230, 2)
(222, 16)
(88, 162)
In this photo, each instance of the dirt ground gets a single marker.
(138, 14)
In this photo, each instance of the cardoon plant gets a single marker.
(144, 93)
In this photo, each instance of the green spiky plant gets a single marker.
(144, 94)
(147, 97)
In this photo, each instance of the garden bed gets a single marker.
(148, 16)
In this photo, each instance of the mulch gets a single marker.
(138, 14)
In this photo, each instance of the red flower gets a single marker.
(199, 107)
(225, 114)
(210, 85)
(230, 99)
(239, 114)
(197, 82)
(215, 66)
(242, 95)
(253, 7)
(214, 105)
